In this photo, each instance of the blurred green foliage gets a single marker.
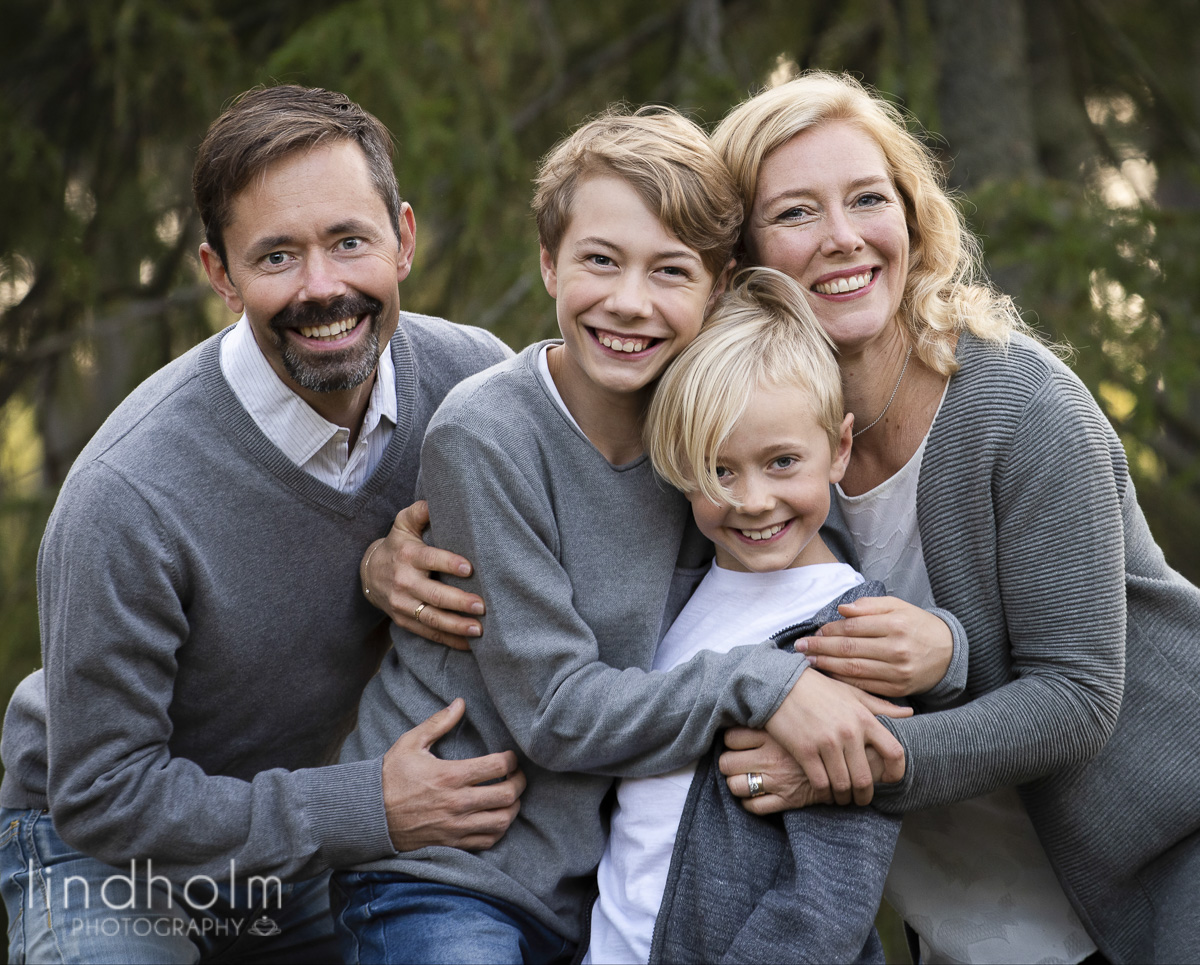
(102, 104)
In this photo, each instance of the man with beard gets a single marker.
(171, 787)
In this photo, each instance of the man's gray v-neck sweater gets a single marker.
(204, 637)
(576, 560)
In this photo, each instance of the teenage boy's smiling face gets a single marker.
(778, 465)
(629, 294)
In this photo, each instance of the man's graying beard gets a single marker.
(329, 371)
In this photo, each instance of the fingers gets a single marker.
(413, 519)
(493, 767)
(783, 789)
(432, 559)
(766, 804)
(432, 622)
(862, 781)
(429, 801)
(841, 780)
(884, 688)
(745, 738)
(890, 751)
(734, 763)
(880, 707)
(882, 644)
(434, 727)
(482, 829)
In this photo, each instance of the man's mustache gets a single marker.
(305, 314)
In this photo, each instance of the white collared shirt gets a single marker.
(317, 446)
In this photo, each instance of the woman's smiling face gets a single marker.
(828, 213)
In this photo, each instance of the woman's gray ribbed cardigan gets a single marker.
(1032, 536)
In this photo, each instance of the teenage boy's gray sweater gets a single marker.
(574, 558)
(204, 637)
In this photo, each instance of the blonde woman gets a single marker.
(1053, 815)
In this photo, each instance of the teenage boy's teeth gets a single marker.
(757, 534)
(622, 345)
(851, 284)
(329, 331)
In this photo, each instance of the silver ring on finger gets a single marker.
(417, 611)
(755, 783)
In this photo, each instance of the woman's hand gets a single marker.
(828, 727)
(884, 646)
(395, 573)
(783, 782)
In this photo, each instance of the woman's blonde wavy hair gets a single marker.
(946, 290)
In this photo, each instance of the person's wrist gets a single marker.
(362, 574)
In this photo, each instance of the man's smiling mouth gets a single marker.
(332, 331)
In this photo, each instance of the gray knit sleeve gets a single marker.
(541, 662)
(1038, 580)
(112, 605)
(954, 681)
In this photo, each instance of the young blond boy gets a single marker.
(749, 423)
(535, 471)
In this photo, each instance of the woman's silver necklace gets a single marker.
(895, 389)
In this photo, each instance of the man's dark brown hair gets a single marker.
(265, 125)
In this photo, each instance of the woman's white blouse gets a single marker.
(970, 878)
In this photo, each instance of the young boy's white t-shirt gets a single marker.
(729, 609)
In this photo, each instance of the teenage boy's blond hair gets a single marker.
(762, 334)
(666, 159)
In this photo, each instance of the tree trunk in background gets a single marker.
(1065, 144)
(984, 90)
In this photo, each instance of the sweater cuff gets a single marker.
(890, 798)
(345, 805)
(952, 685)
(768, 678)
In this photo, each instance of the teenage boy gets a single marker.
(535, 470)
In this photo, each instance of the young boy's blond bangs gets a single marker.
(762, 333)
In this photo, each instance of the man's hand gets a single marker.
(395, 573)
(884, 645)
(430, 801)
(827, 726)
(784, 784)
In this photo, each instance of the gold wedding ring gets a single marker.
(417, 612)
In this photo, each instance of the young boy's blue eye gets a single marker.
(783, 462)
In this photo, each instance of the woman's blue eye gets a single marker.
(869, 200)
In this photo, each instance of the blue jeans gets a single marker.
(66, 907)
(382, 917)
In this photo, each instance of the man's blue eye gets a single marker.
(276, 258)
